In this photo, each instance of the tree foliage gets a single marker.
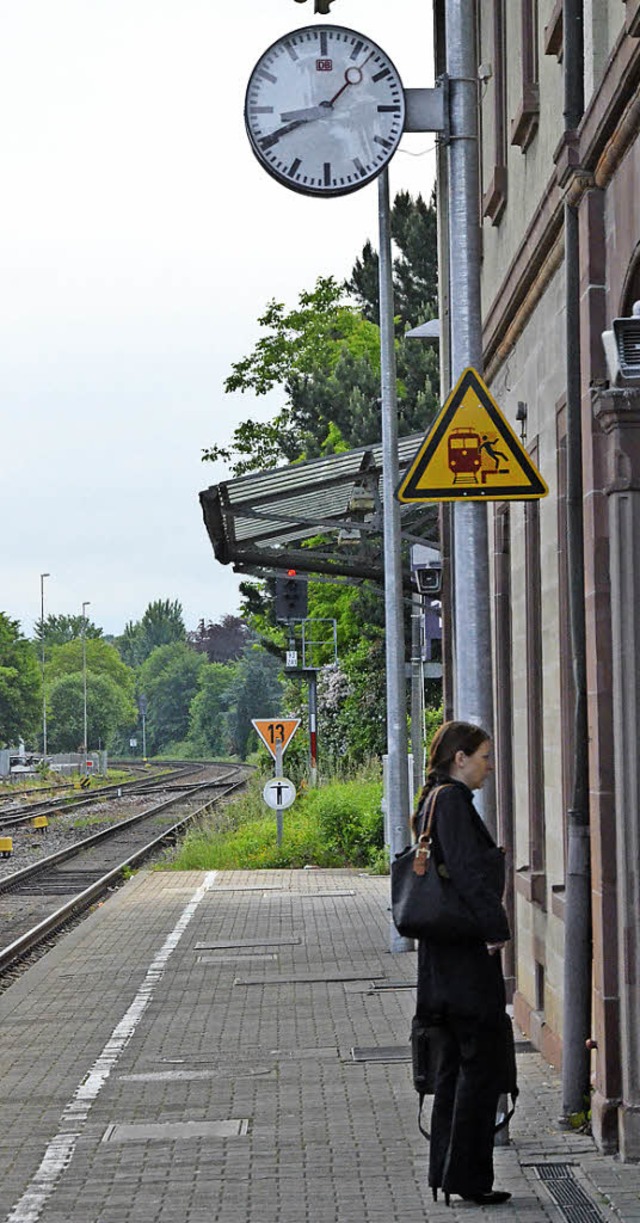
(208, 710)
(161, 624)
(257, 693)
(415, 267)
(20, 684)
(223, 641)
(169, 680)
(101, 659)
(324, 356)
(109, 708)
(57, 630)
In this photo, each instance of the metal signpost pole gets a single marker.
(472, 624)
(398, 781)
(313, 729)
(417, 694)
(44, 694)
(85, 605)
(278, 773)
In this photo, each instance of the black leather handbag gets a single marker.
(424, 901)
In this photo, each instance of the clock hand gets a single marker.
(352, 76)
(348, 80)
(267, 142)
(306, 113)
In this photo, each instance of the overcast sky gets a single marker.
(139, 242)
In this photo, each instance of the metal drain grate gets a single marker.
(378, 985)
(383, 1053)
(574, 1203)
(231, 944)
(306, 978)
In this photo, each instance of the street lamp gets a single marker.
(44, 695)
(84, 680)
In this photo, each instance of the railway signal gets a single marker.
(291, 597)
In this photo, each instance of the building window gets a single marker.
(495, 197)
(525, 124)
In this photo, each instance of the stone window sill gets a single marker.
(553, 32)
(495, 198)
(532, 885)
(558, 896)
(525, 124)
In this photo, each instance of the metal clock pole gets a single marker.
(397, 751)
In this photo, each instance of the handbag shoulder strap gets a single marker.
(423, 843)
(429, 810)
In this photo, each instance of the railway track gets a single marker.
(13, 817)
(39, 899)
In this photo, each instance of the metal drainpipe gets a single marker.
(578, 953)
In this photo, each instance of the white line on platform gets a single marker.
(60, 1150)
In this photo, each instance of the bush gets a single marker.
(253, 847)
(336, 826)
(349, 819)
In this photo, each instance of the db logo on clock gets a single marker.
(324, 65)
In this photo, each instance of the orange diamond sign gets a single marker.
(471, 453)
(274, 731)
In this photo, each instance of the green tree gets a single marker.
(221, 642)
(20, 684)
(101, 659)
(301, 352)
(257, 693)
(161, 624)
(415, 267)
(208, 710)
(325, 356)
(60, 629)
(169, 680)
(109, 709)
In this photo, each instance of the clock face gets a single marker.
(324, 110)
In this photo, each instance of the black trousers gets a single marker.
(464, 1107)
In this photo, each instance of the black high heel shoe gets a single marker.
(495, 1197)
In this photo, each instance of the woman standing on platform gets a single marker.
(461, 993)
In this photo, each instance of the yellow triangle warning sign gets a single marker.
(275, 730)
(471, 453)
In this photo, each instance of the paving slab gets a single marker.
(153, 1068)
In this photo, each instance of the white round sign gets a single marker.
(279, 793)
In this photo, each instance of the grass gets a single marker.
(338, 825)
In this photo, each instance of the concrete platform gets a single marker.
(185, 1056)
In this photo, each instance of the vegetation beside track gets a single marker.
(339, 824)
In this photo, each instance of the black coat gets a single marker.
(462, 979)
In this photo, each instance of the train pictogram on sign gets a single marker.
(471, 453)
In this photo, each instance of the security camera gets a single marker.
(429, 578)
(426, 569)
(622, 349)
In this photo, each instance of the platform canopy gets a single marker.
(263, 522)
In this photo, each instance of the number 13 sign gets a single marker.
(275, 731)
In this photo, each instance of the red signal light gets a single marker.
(291, 573)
